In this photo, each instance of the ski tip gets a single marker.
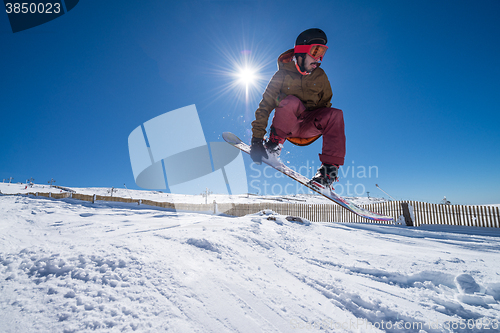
(231, 138)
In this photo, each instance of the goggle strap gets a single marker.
(308, 48)
(302, 48)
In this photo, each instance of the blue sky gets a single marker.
(418, 82)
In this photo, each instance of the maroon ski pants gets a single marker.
(291, 120)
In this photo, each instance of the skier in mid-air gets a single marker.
(300, 94)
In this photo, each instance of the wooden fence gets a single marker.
(478, 216)
(420, 212)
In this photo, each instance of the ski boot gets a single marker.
(325, 176)
(274, 144)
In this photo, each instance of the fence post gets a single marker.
(406, 214)
(497, 218)
(490, 217)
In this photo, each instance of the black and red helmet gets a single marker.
(311, 36)
(313, 42)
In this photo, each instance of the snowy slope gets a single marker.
(72, 266)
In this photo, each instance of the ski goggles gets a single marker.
(317, 51)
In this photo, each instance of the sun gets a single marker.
(247, 76)
(242, 69)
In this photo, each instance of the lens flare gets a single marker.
(240, 72)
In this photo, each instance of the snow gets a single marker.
(73, 266)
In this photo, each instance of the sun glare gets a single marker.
(247, 76)
(242, 69)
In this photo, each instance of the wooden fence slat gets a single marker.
(474, 217)
(459, 209)
(487, 212)
(494, 223)
(497, 218)
(470, 221)
(425, 213)
(421, 214)
(435, 217)
(465, 216)
(425, 209)
(456, 215)
(416, 223)
(443, 213)
(434, 213)
(415, 212)
(430, 213)
(435, 210)
(485, 216)
(461, 215)
(480, 216)
(492, 216)
(494, 220)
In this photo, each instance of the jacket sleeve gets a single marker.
(268, 103)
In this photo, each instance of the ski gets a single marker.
(326, 192)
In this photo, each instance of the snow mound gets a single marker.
(203, 244)
(466, 284)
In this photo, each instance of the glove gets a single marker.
(257, 150)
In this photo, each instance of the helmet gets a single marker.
(311, 36)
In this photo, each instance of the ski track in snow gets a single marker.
(70, 266)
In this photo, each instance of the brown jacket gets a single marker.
(313, 90)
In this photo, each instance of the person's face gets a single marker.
(310, 63)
